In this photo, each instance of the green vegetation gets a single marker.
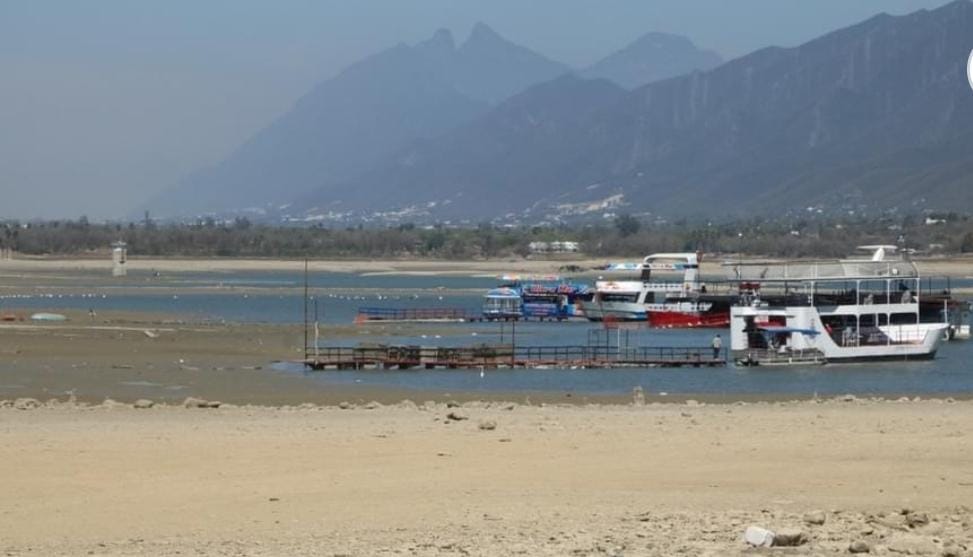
(624, 237)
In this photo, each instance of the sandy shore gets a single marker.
(391, 266)
(955, 267)
(605, 480)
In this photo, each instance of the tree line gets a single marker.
(625, 236)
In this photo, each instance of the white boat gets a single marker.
(837, 311)
(48, 317)
(670, 303)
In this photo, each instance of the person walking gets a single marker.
(717, 346)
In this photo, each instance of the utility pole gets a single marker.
(305, 309)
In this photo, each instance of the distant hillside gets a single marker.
(365, 113)
(653, 57)
(524, 149)
(878, 115)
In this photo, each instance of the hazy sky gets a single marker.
(104, 102)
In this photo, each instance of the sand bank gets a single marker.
(956, 267)
(607, 480)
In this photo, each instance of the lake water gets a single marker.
(273, 297)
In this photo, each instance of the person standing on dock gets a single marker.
(717, 346)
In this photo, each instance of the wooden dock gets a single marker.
(508, 356)
(416, 315)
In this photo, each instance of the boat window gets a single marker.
(615, 297)
(903, 318)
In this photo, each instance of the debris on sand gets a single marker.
(758, 537)
(457, 416)
(815, 518)
(193, 402)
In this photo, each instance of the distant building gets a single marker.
(119, 259)
(554, 247)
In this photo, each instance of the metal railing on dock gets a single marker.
(415, 314)
(508, 356)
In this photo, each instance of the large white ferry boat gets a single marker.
(666, 303)
(838, 311)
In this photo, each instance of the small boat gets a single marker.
(48, 317)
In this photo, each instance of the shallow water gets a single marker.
(950, 372)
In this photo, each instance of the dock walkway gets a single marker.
(508, 356)
(417, 315)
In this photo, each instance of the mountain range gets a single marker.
(875, 116)
(348, 124)
(652, 57)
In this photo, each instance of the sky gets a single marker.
(104, 103)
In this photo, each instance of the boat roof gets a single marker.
(807, 271)
(659, 262)
(518, 277)
(503, 292)
(619, 285)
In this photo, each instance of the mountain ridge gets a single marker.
(651, 57)
(820, 124)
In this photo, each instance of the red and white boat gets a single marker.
(667, 303)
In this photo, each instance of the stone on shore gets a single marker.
(789, 537)
(143, 404)
(488, 425)
(916, 520)
(952, 550)
(193, 402)
(859, 546)
(912, 544)
(27, 403)
(457, 416)
(815, 518)
(758, 537)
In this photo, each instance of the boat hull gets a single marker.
(804, 332)
(657, 315)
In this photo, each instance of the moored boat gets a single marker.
(535, 297)
(666, 303)
(838, 311)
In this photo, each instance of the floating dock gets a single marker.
(507, 356)
(416, 315)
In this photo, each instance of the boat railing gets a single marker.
(414, 314)
(799, 271)
(770, 356)
(909, 334)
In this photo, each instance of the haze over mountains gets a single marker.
(380, 105)
(653, 57)
(877, 115)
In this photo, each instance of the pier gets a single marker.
(416, 315)
(508, 357)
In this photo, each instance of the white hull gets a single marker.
(807, 335)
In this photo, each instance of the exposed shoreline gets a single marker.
(946, 266)
(486, 479)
